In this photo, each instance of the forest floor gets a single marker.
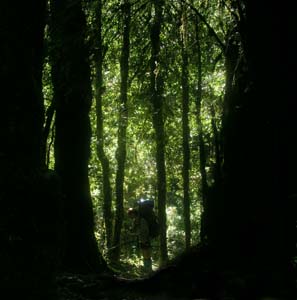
(113, 286)
(195, 275)
(91, 287)
(94, 287)
(181, 281)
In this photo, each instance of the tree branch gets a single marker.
(210, 29)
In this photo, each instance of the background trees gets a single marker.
(158, 49)
(171, 78)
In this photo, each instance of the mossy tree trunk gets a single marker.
(201, 147)
(157, 87)
(122, 123)
(98, 63)
(185, 126)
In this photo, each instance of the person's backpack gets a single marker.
(146, 210)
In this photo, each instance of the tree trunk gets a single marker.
(157, 87)
(72, 93)
(257, 219)
(27, 231)
(217, 176)
(186, 129)
(202, 155)
(123, 122)
(45, 149)
(22, 114)
(107, 190)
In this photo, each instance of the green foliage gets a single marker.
(140, 173)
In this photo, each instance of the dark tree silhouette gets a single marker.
(254, 217)
(72, 96)
(28, 217)
(21, 69)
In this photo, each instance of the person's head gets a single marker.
(132, 212)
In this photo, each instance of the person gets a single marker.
(142, 230)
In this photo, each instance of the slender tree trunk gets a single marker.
(107, 190)
(217, 147)
(186, 129)
(157, 87)
(123, 122)
(230, 97)
(202, 155)
(72, 93)
(50, 112)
